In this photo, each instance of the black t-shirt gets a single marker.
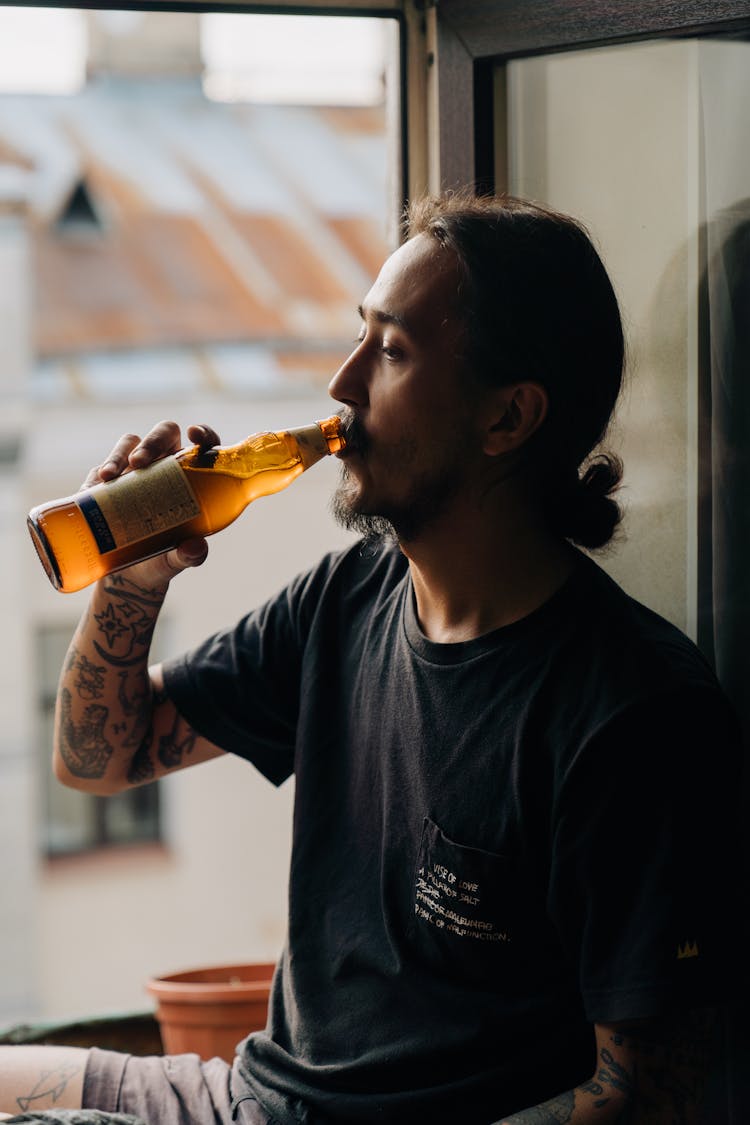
(496, 842)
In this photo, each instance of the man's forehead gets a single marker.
(417, 282)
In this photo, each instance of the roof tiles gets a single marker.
(178, 249)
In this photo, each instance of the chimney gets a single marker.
(130, 44)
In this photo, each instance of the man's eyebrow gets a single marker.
(384, 317)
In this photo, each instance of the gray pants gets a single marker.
(170, 1090)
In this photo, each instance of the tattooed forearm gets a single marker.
(150, 597)
(115, 726)
(90, 680)
(125, 624)
(84, 748)
(49, 1088)
(105, 706)
(612, 1076)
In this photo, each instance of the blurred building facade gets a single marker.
(161, 255)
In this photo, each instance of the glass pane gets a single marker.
(75, 821)
(69, 823)
(643, 144)
(180, 237)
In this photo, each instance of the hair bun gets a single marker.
(586, 513)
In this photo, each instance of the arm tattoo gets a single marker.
(141, 767)
(90, 682)
(111, 625)
(51, 1084)
(178, 742)
(122, 587)
(613, 1074)
(83, 746)
(132, 703)
(127, 623)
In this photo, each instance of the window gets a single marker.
(72, 821)
(175, 244)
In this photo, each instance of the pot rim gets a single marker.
(182, 987)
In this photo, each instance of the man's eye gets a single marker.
(392, 353)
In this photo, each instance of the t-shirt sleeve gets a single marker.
(240, 687)
(645, 879)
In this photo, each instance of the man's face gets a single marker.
(408, 396)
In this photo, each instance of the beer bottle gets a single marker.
(145, 512)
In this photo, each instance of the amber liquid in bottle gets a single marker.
(145, 512)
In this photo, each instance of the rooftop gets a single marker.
(177, 239)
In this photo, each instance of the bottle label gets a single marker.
(138, 504)
(311, 444)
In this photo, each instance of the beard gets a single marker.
(372, 528)
(398, 521)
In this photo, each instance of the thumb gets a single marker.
(193, 552)
(156, 573)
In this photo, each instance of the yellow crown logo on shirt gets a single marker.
(688, 949)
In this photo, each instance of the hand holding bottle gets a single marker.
(132, 452)
(150, 499)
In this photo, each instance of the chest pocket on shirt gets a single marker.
(468, 910)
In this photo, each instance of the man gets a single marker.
(511, 891)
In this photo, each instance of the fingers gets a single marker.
(162, 440)
(115, 463)
(204, 436)
(133, 452)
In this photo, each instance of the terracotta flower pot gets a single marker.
(210, 1010)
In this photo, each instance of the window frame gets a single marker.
(52, 637)
(355, 9)
(473, 36)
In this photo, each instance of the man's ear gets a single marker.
(517, 411)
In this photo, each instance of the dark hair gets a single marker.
(539, 305)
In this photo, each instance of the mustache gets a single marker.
(354, 432)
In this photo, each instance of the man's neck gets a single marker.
(473, 575)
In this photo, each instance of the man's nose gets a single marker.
(349, 384)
